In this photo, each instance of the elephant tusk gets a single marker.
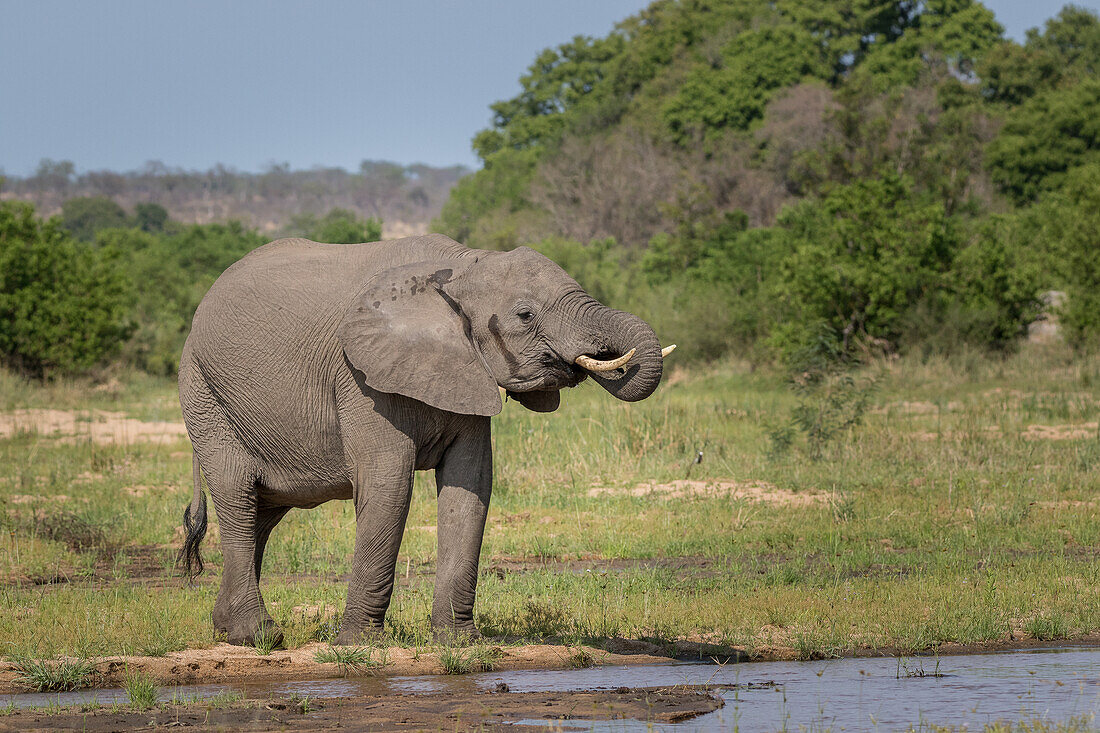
(595, 365)
(667, 350)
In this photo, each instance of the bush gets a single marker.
(64, 305)
(1066, 223)
(338, 226)
(1045, 138)
(83, 217)
(150, 217)
(861, 258)
(175, 271)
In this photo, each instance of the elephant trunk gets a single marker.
(618, 334)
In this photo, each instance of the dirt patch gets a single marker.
(97, 426)
(915, 407)
(1060, 432)
(759, 491)
(1077, 431)
(988, 432)
(226, 663)
(457, 711)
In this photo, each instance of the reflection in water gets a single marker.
(847, 694)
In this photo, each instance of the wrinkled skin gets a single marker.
(318, 371)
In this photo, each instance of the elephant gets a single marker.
(315, 372)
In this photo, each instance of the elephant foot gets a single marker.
(358, 635)
(266, 635)
(456, 635)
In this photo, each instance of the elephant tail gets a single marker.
(194, 526)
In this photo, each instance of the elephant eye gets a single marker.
(525, 316)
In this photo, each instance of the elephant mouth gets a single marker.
(562, 378)
(555, 373)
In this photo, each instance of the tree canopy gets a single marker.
(870, 164)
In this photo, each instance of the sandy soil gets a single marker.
(1075, 431)
(914, 407)
(98, 426)
(452, 711)
(1060, 432)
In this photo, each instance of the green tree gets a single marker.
(557, 80)
(752, 66)
(64, 305)
(958, 31)
(338, 226)
(174, 272)
(993, 290)
(149, 217)
(1067, 50)
(84, 216)
(1044, 138)
(862, 257)
(1066, 225)
(53, 175)
(847, 30)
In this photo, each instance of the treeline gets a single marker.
(407, 196)
(97, 285)
(760, 177)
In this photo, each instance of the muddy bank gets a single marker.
(458, 711)
(226, 663)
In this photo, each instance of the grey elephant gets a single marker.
(316, 372)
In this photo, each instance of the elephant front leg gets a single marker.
(381, 507)
(464, 481)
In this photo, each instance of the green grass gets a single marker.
(53, 676)
(467, 659)
(142, 690)
(1047, 627)
(266, 639)
(351, 659)
(946, 516)
(223, 700)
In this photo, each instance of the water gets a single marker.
(845, 694)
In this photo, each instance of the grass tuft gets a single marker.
(142, 690)
(463, 660)
(267, 638)
(351, 659)
(1047, 627)
(224, 700)
(579, 658)
(47, 676)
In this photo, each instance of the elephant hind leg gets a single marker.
(239, 612)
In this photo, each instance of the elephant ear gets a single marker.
(409, 337)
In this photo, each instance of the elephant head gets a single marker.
(447, 332)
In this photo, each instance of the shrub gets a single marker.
(64, 305)
(84, 216)
(175, 271)
(338, 226)
(861, 258)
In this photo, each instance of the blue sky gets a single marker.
(247, 83)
